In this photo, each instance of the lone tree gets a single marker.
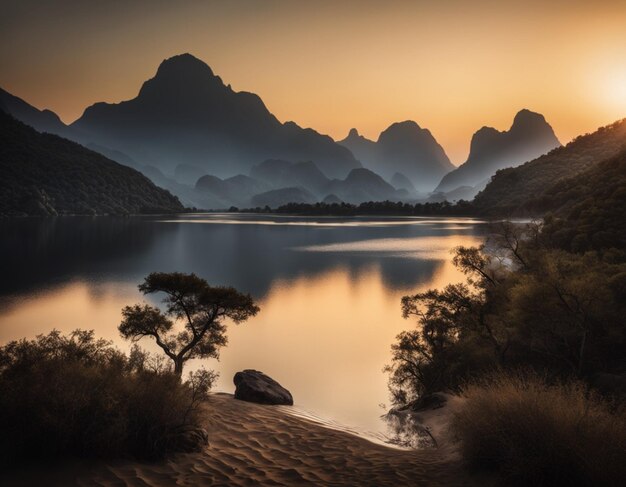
(201, 308)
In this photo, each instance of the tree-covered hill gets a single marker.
(43, 174)
(590, 209)
(529, 189)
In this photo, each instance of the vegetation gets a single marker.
(529, 189)
(75, 395)
(548, 298)
(201, 307)
(393, 208)
(591, 211)
(540, 434)
(523, 304)
(44, 175)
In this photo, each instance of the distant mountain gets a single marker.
(43, 174)
(529, 137)
(363, 185)
(274, 181)
(40, 120)
(185, 114)
(400, 181)
(530, 188)
(403, 147)
(280, 174)
(236, 191)
(279, 197)
(365, 150)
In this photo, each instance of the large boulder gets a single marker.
(255, 386)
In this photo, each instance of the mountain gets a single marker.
(403, 147)
(185, 114)
(588, 209)
(280, 174)
(365, 150)
(400, 181)
(363, 185)
(43, 174)
(40, 120)
(274, 181)
(490, 150)
(279, 197)
(530, 189)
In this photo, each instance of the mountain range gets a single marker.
(276, 182)
(187, 114)
(529, 137)
(406, 149)
(214, 147)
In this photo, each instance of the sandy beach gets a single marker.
(251, 444)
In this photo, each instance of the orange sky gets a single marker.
(452, 66)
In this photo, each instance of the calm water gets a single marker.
(329, 289)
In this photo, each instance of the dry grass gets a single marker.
(539, 434)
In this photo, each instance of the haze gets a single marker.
(451, 66)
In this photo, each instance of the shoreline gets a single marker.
(253, 444)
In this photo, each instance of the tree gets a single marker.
(200, 308)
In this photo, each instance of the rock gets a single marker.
(255, 386)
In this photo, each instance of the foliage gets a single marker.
(190, 299)
(524, 303)
(462, 208)
(543, 184)
(591, 211)
(535, 433)
(46, 175)
(77, 395)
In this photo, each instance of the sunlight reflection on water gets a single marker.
(329, 292)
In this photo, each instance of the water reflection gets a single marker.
(329, 289)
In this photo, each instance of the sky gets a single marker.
(452, 66)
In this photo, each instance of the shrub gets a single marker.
(75, 395)
(535, 433)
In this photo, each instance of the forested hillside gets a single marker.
(529, 189)
(43, 175)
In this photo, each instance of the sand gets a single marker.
(251, 444)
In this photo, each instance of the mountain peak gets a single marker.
(183, 74)
(353, 133)
(525, 119)
(182, 63)
(408, 127)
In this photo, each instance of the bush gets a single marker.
(540, 434)
(75, 395)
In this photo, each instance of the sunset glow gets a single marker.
(450, 66)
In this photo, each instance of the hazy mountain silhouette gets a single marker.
(40, 120)
(278, 197)
(185, 114)
(530, 188)
(363, 185)
(403, 147)
(280, 174)
(400, 181)
(529, 137)
(274, 181)
(43, 174)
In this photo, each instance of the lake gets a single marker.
(329, 289)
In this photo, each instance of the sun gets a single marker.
(615, 88)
